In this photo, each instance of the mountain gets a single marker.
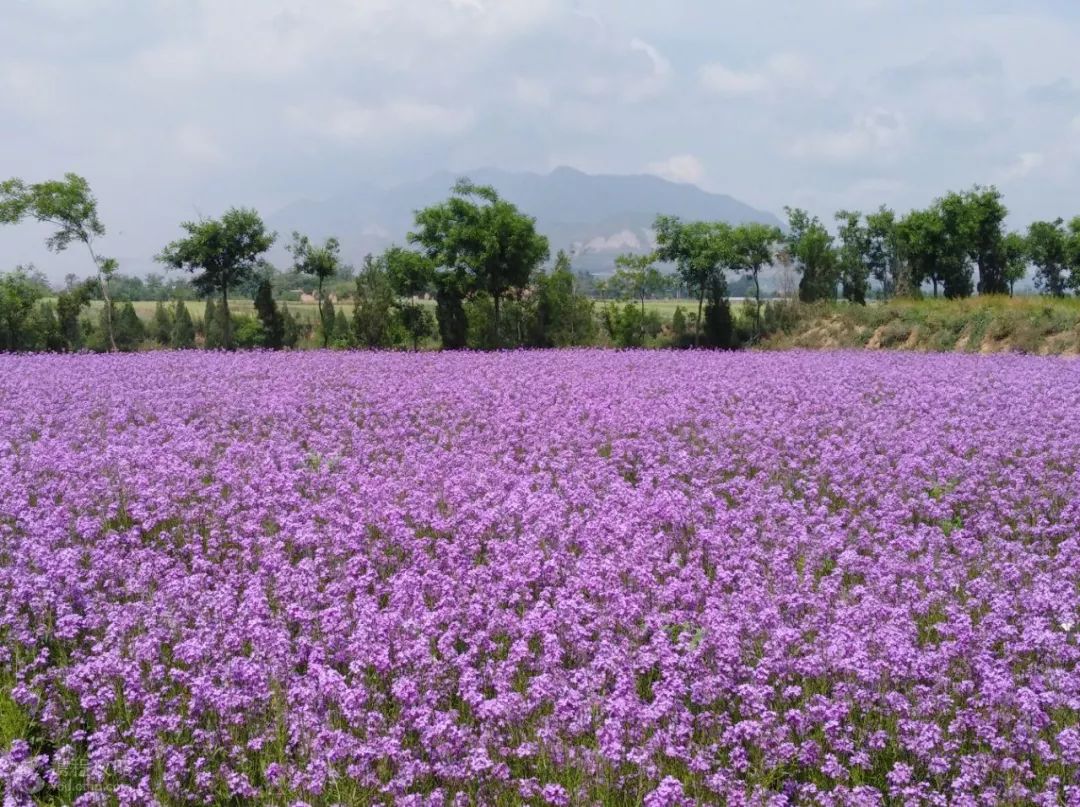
(595, 216)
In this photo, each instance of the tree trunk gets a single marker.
(227, 324)
(108, 298)
(495, 322)
(934, 281)
(697, 326)
(322, 315)
(757, 307)
(642, 319)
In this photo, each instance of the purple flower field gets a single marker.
(547, 578)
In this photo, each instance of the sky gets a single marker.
(175, 109)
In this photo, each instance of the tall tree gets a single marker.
(183, 332)
(883, 254)
(853, 256)
(374, 302)
(1016, 259)
(483, 240)
(985, 215)
(701, 251)
(810, 247)
(70, 206)
(636, 277)
(562, 316)
(753, 249)
(320, 262)
(69, 305)
(224, 252)
(957, 230)
(18, 298)
(161, 331)
(1047, 247)
(411, 274)
(267, 311)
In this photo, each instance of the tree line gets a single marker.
(487, 269)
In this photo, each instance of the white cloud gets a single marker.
(198, 145)
(782, 72)
(679, 168)
(532, 92)
(879, 133)
(1025, 164)
(656, 80)
(344, 120)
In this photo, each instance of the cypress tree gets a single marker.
(290, 331)
(128, 329)
(163, 325)
(183, 330)
(214, 332)
(271, 318)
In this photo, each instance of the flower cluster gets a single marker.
(568, 577)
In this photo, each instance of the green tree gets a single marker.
(374, 304)
(484, 241)
(342, 337)
(719, 331)
(183, 330)
(19, 297)
(290, 331)
(48, 328)
(322, 263)
(883, 250)
(1047, 247)
(810, 247)
(69, 305)
(853, 256)
(450, 315)
(70, 206)
(213, 326)
(637, 278)
(984, 233)
(415, 320)
(678, 326)
(1016, 259)
(130, 331)
(161, 329)
(700, 250)
(269, 316)
(224, 252)
(957, 229)
(753, 248)
(561, 315)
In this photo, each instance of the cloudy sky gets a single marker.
(176, 108)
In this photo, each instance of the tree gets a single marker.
(883, 250)
(852, 256)
(290, 331)
(483, 240)
(70, 206)
(561, 315)
(450, 315)
(1048, 249)
(69, 305)
(224, 252)
(719, 326)
(341, 329)
(1016, 259)
(700, 251)
(269, 316)
(213, 326)
(130, 331)
(374, 302)
(183, 331)
(957, 240)
(322, 263)
(810, 247)
(637, 278)
(416, 321)
(161, 330)
(18, 298)
(984, 231)
(753, 248)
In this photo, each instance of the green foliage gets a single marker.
(183, 331)
(162, 325)
(248, 331)
(853, 256)
(484, 243)
(810, 247)
(213, 325)
(678, 326)
(883, 250)
(19, 296)
(411, 273)
(753, 246)
(266, 309)
(322, 263)
(129, 331)
(342, 332)
(983, 221)
(700, 251)
(561, 315)
(223, 252)
(450, 315)
(1047, 247)
(628, 325)
(373, 305)
(290, 331)
(415, 321)
(719, 330)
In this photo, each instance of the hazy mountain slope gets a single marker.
(597, 216)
